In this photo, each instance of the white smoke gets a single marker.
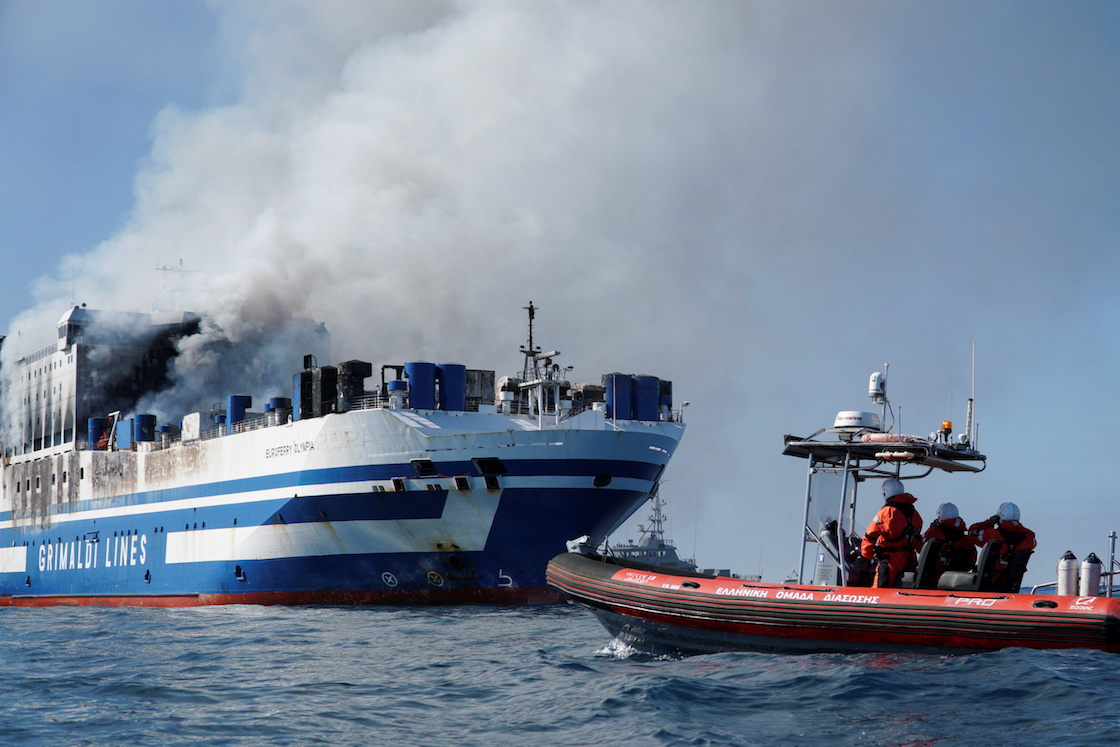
(412, 175)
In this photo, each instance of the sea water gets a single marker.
(549, 675)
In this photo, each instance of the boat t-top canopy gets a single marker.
(883, 453)
(856, 449)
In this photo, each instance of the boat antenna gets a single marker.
(530, 351)
(877, 391)
(968, 418)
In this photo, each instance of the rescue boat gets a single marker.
(978, 608)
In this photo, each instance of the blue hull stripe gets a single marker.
(367, 473)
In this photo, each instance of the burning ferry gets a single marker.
(417, 483)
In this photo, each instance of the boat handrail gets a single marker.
(1103, 592)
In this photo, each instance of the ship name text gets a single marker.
(299, 447)
(84, 554)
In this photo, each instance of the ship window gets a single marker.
(398, 484)
(424, 468)
(489, 465)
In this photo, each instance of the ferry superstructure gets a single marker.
(437, 484)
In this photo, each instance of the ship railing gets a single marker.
(524, 408)
(244, 426)
(666, 415)
(368, 402)
(519, 407)
(378, 402)
(159, 445)
(209, 433)
(371, 402)
(41, 354)
(255, 424)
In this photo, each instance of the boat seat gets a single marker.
(1016, 567)
(922, 576)
(978, 578)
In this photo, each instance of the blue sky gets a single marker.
(761, 201)
(81, 85)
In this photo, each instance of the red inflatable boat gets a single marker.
(832, 607)
(657, 611)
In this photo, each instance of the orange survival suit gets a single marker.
(958, 551)
(894, 536)
(1004, 529)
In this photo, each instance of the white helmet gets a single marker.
(1008, 512)
(947, 512)
(892, 487)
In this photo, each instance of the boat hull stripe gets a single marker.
(895, 620)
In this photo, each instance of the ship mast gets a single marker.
(656, 527)
(530, 352)
(174, 286)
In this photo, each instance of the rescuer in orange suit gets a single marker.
(1005, 529)
(894, 536)
(958, 553)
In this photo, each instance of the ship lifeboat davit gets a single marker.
(683, 613)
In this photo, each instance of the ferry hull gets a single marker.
(660, 612)
(343, 519)
(433, 484)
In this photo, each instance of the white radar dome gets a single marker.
(857, 420)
